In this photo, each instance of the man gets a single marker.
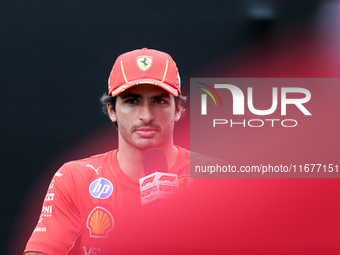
(88, 198)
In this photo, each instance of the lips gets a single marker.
(146, 132)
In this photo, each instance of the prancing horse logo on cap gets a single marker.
(144, 62)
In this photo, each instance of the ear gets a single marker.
(111, 113)
(178, 113)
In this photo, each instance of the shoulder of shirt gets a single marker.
(93, 162)
(96, 157)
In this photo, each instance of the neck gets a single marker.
(130, 159)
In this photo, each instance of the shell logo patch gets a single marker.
(144, 62)
(99, 222)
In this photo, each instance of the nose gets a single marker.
(145, 113)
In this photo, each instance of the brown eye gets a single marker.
(160, 101)
(131, 101)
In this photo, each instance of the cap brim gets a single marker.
(130, 84)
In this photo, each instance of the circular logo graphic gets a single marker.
(101, 188)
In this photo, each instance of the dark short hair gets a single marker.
(106, 99)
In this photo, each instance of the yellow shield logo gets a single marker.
(99, 222)
(144, 62)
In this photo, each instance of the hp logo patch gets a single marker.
(101, 188)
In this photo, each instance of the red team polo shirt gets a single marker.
(85, 199)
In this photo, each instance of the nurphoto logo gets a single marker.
(238, 104)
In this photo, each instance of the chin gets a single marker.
(148, 145)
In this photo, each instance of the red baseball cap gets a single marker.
(144, 66)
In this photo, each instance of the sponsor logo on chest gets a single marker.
(99, 222)
(101, 188)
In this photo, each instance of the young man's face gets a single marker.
(145, 115)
